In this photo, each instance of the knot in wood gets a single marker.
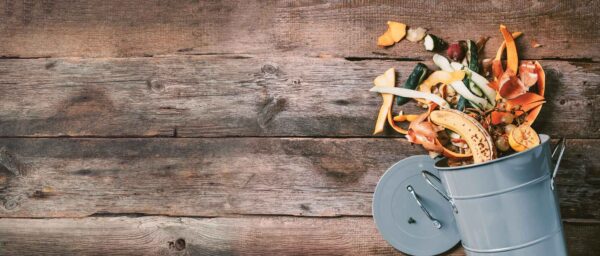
(269, 69)
(12, 203)
(178, 244)
(155, 85)
(8, 162)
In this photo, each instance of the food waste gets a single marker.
(476, 109)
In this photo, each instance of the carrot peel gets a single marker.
(512, 59)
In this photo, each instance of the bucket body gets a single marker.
(507, 206)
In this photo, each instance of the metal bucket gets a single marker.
(506, 206)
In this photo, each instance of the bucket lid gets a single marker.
(400, 219)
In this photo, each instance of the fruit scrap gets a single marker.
(455, 52)
(453, 155)
(535, 44)
(525, 102)
(499, 117)
(395, 32)
(527, 73)
(523, 138)
(478, 139)
(541, 83)
(387, 79)
(487, 117)
(424, 133)
(510, 86)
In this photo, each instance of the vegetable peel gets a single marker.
(512, 59)
(395, 32)
(387, 79)
(411, 94)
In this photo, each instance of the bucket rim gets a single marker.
(545, 139)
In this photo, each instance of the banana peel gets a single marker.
(477, 138)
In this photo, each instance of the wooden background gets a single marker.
(244, 127)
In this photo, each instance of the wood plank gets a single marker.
(229, 176)
(238, 95)
(98, 28)
(188, 236)
(220, 236)
(580, 236)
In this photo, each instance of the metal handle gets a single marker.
(426, 175)
(560, 147)
(436, 223)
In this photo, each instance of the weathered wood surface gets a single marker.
(96, 28)
(220, 236)
(229, 176)
(241, 71)
(189, 236)
(239, 95)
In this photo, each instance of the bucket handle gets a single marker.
(560, 147)
(436, 223)
(426, 174)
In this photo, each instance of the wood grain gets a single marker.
(189, 236)
(230, 176)
(220, 236)
(238, 95)
(98, 28)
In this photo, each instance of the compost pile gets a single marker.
(476, 109)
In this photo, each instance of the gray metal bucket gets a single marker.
(507, 206)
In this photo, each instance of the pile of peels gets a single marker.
(477, 110)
